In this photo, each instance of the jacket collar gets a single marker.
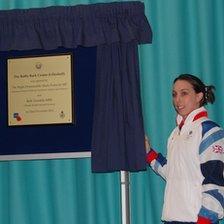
(193, 116)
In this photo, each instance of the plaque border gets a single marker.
(73, 115)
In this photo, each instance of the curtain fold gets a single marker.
(188, 38)
(118, 134)
(70, 26)
(57, 192)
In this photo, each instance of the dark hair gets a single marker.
(199, 86)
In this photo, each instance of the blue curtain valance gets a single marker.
(70, 26)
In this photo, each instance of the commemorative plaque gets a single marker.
(40, 90)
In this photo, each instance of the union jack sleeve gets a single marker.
(157, 162)
(211, 154)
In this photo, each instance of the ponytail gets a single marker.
(209, 96)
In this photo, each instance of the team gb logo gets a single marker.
(218, 149)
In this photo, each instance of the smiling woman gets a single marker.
(190, 93)
(185, 99)
(194, 171)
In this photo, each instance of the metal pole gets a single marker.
(125, 203)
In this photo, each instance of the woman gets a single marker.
(195, 158)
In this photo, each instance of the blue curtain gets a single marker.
(187, 38)
(57, 192)
(85, 25)
(119, 109)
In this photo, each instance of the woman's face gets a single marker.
(185, 99)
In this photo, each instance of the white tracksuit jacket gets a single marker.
(193, 170)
